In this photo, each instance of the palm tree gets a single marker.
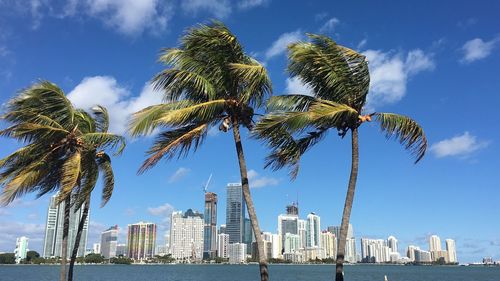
(64, 151)
(209, 81)
(339, 79)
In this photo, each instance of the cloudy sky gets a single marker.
(438, 66)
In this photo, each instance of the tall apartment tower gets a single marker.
(210, 226)
(451, 249)
(350, 247)
(186, 235)
(141, 240)
(222, 245)
(52, 246)
(434, 243)
(235, 213)
(392, 243)
(109, 241)
(313, 231)
(21, 248)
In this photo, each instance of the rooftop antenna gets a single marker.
(205, 188)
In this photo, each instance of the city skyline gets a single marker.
(435, 70)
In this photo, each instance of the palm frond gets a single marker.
(178, 82)
(178, 141)
(101, 117)
(254, 81)
(71, 173)
(201, 112)
(406, 130)
(108, 178)
(27, 132)
(289, 103)
(104, 141)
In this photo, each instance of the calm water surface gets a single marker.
(250, 272)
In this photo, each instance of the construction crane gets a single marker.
(205, 187)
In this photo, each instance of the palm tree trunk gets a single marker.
(264, 273)
(77, 239)
(339, 271)
(64, 250)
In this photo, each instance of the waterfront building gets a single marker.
(313, 253)
(434, 246)
(291, 243)
(275, 244)
(210, 226)
(109, 240)
(452, 250)
(235, 213)
(141, 240)
(248, 237)
(313, 230)
(21, 248)
(422, 256)
(350, 247)
(297, 257)
(52, 246)
(375, 251)
(167, 243)
(302, 225)
(329, 244)
(392, 243)
(96, 248)
(410, 252)
(237, 253)
(222, 245)
(186, 235)
(287, 224)
(121, 250)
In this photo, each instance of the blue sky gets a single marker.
(438, 64)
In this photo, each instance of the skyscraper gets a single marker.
(292, 209)
(235, 213)
(392, 242)
(452, 250)
(237, 253)
(350, 247)
(210, 226)
(21, 248)
(222, 245)
(109, 241)
(248, 232)
(287, 224)
(141, 240)
(329, 244)
(186, 235)
(434, 247)
(52, 246)
(313, 230)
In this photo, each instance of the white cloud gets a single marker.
(179, 174)
(248, 4)
(389, 74)
(295, 86)
(362, 44)
(477, 49)
(105, 91)
(329, 25)
(131, 17)
(462, 146)
(164, 212)
(257, 181)
(280, 45)
(9, 231)
(218, 8)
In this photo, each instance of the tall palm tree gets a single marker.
(209, 81)
(339, 79)
(64, 150)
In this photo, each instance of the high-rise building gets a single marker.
(375, 250)
(422, 256)
(392, 242)
(109, 241)
(434, 246)
(275, 241)
(167, 243)
(186, 235)
(222, 229)
(248, 232)
(287, 224)
(121, 250)
(451, 250)
(237, 253)
(350, 247)
(96, 248)
(313, 230)
(291, 243)
(210, 226)
(235, 213)
(141, 240)
(52, 246)
(329, 244)
(302, 225)
(222, 245)
(21, 248)
(410, 252)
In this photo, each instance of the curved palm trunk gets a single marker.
(77, 239)
(64, 250)
(264, 273)
(339, 271)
